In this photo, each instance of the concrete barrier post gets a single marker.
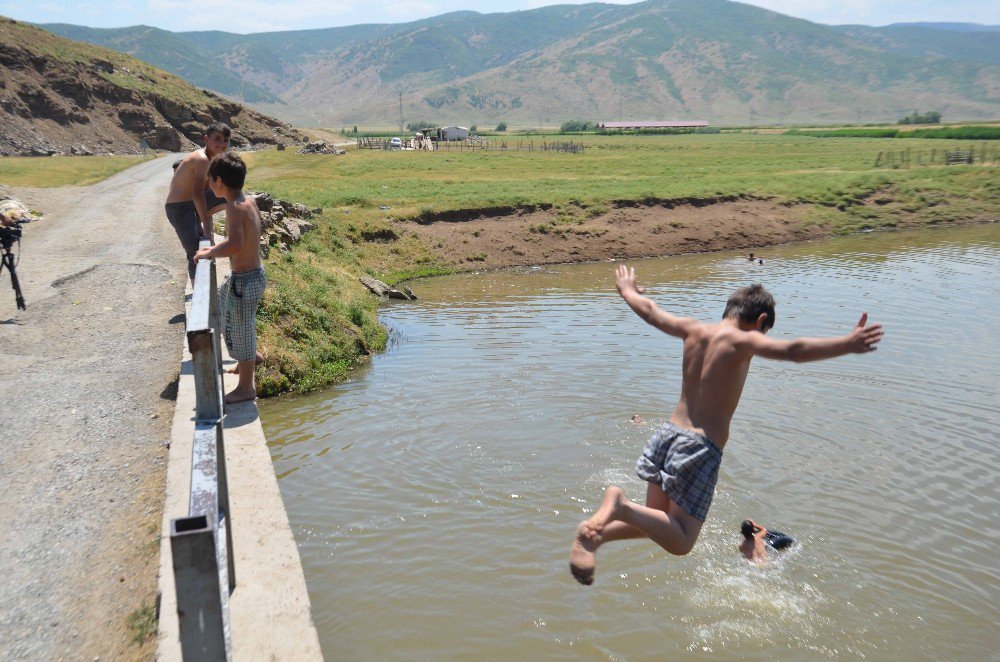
(202, 599)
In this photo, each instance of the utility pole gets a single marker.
(400, 112)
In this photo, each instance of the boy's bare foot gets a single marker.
(582, 555)
(609, 510)
(236, 395)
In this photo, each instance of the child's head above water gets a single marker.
(748, 303)
(748, 528)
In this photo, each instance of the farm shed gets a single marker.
(453, 133)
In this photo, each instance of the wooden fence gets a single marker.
(906, 158)
(504, 146)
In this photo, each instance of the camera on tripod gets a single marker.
(9, 235)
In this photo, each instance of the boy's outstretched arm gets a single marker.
(862, 339)
(645, 308)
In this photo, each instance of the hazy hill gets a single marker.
(59, 95)
(707, 59)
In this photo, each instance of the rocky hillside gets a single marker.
(726, 62)
(59, 96)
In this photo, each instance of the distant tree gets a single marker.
(577, 125)
(355, 129)
(422, 125)
(931, 117)
(502, 126)
(473, 128)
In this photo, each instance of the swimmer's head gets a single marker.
(748, 529)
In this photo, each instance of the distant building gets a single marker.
(688, 124)
(453, 133)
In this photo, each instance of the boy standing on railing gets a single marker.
(243, 289)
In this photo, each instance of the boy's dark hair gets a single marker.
(219, 127)
(230, 168)
(747, 303)
(747, 529)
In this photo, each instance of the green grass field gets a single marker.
(47, 172)
(317, 321)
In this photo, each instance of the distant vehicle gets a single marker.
(396, 143)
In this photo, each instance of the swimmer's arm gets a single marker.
(647, 309)
(862, 339)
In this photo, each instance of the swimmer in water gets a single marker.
(756, 540)
(752, 546)
(637, 419)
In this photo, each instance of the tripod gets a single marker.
(7, 259)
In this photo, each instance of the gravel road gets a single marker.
(87, 380)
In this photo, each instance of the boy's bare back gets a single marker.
(717, 357)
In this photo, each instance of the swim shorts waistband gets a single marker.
(247, 274)
(691, 434)
(183, 204)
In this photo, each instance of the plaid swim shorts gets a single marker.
(238, 299)
(686, 464)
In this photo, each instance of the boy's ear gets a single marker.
(761, 321)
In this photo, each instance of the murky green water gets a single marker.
(435, 496)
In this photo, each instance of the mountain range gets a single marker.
(716, 60)
(63, 96)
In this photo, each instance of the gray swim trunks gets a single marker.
(183, 216)
(238, 299)
(686, 464)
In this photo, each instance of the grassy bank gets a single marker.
(318, 321)
(51, 171)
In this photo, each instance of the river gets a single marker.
(434, 496)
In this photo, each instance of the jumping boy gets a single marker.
(681, 462)
(190, 204)
(243, 289)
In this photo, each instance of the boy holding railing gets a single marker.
(243, 289)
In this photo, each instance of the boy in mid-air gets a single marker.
(681, 461)
(243, 289)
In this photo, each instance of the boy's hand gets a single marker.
(625, 280)
(864, 338)
(202, 254)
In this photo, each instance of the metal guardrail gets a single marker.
(202, 542)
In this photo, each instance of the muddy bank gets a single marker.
(509, 237)
(623, 229)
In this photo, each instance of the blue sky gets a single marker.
(270, 15)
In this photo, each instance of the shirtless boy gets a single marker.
(681, 462)
(243, 289)
(190, 204)
(752, 546)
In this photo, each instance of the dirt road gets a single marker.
(87, 378)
